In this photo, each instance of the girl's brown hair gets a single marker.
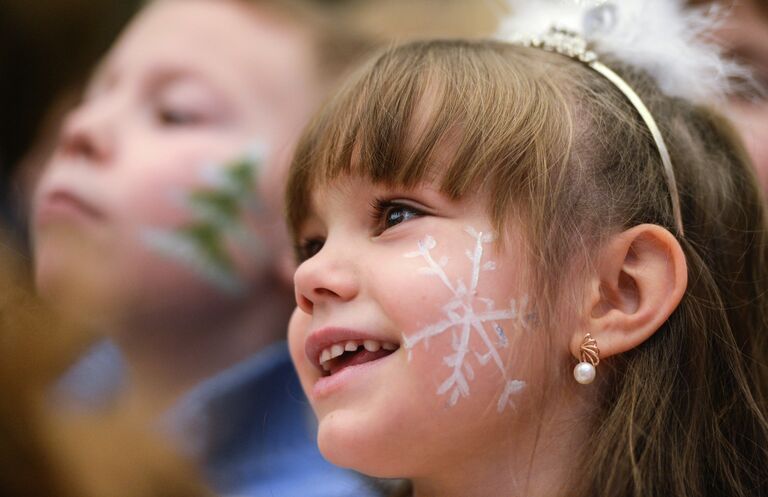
(551, 142)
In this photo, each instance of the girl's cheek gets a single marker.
(297, 331)
(464, 329)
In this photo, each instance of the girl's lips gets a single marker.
(360, 357)
(324, 338)
(327, 385)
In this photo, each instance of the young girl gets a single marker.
(485, 228)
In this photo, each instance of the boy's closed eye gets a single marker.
(186, 101)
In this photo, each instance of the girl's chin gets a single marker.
(371, 464)
(352, 444)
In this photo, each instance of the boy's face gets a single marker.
(745, 35)
(190, 86)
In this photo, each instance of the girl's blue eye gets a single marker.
(388, 213)
(399, 214)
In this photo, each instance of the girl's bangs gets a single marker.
(430, 112)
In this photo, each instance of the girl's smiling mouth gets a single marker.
(334, 349)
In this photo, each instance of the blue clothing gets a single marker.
(95, 381)
(258, 433)
(250, 425)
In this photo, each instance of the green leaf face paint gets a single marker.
(217, 226)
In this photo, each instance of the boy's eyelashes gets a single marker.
(173, 109)
(171, 116)
(183, 100)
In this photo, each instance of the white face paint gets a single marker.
(463, 320)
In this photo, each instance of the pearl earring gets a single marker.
(584, 372)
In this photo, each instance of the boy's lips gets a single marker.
(333, 349)
(60, 203)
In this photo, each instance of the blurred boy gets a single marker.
(158, 222)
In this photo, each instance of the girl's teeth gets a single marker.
(325, 356)
(336, 351)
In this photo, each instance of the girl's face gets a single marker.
(190, 86)
(414, 332)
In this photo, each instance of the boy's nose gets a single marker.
(88, 134)
(329, 276)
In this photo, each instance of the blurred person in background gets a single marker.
(157, 222)
(744, 34)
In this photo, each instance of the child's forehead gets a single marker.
(227, 35)
(341, 190)
(361, 184)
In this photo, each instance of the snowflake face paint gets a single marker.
(462, 320)
(413, 327)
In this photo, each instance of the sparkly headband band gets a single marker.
(570, 44)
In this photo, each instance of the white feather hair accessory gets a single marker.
(664, 38)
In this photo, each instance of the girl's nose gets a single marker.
(88, 134)
(329, 276)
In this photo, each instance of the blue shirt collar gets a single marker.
(252, 427)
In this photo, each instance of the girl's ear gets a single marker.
(641, 276)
